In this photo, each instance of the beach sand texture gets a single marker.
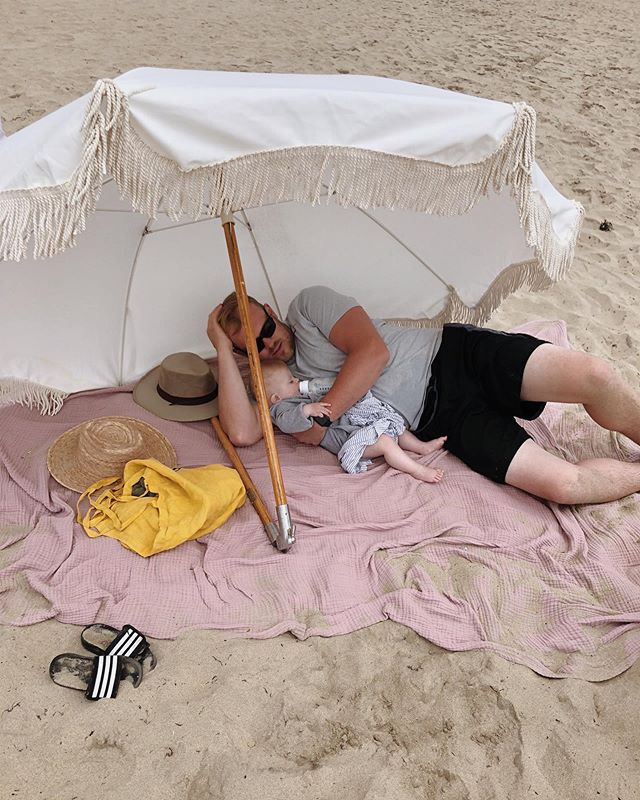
(379, 714)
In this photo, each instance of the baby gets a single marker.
(370, 428)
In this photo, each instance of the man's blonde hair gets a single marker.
(229, 316)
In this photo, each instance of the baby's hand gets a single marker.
(317, 409)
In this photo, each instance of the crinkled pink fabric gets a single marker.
(467, 564)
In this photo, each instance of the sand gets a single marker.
(380, 713)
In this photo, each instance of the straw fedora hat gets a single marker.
(181, 388)
(99, 448)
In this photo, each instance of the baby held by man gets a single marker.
(369, 429)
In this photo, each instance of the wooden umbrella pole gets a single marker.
(286, 529)
(252, 493)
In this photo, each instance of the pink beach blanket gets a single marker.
(467, 564)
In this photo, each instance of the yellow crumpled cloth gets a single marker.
(177, 505)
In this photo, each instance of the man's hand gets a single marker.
(217, 336)
(313, 436)
(317, 410)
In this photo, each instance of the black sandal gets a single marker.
(99, 677)
(105, 640)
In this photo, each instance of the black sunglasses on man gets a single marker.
(266, 331)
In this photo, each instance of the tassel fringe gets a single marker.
(33, 395)
(55, 215)
(455, 310)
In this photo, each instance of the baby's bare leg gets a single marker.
(395, 457)
(408, 441)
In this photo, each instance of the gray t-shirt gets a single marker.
(311, 316)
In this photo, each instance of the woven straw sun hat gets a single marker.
(181, 388)
(100, 448)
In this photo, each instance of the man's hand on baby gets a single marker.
(317, 410)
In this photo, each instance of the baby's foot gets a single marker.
(428, 474)
(433, 445)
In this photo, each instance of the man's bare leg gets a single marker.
(595, 480)
(555, 374)
(408, 441)
(395, 457)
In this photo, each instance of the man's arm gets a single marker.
(238, 415)
(367, 356)
(314, 435)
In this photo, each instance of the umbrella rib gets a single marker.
(180, 225)
(126, 301)
(402, 244)
(262, 264)
(191, 222)
(245, 222)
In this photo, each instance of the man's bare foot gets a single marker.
(432, 446)
(428, 474)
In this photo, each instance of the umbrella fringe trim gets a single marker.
(54, 216)
(508, 281)
(32, 395)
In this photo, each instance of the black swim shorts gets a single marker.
(474, 394)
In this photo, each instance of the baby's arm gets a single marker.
(289, 415)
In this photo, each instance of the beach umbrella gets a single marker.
(425, 204)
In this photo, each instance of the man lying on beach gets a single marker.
(369, 429)
(462, 381)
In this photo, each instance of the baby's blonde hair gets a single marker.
(271, 370)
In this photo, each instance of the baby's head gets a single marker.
(278, 381)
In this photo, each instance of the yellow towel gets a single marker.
(174, 506)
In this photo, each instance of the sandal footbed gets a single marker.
(71, 671)
(74, 672)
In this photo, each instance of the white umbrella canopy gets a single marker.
(424, 204)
